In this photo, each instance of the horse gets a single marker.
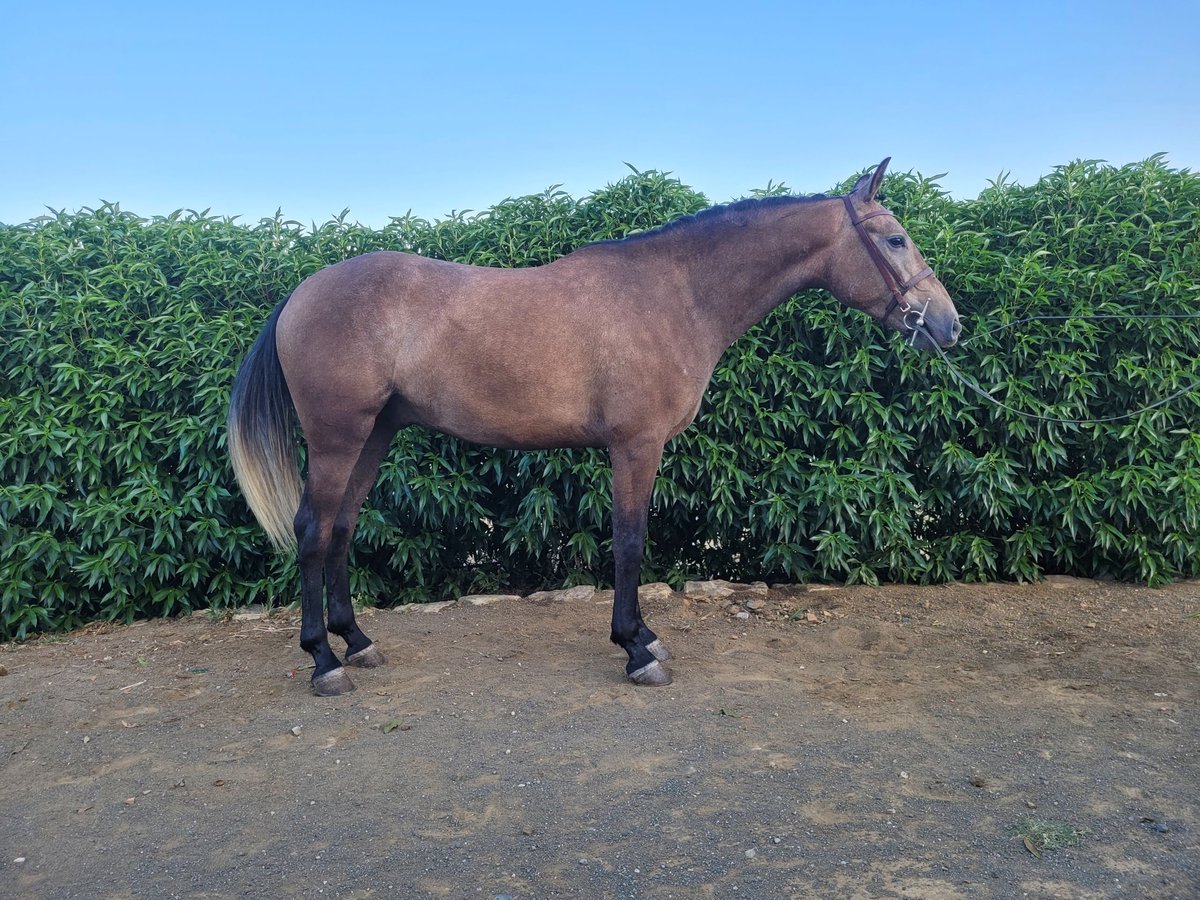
(610, 346)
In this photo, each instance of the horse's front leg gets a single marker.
(634, 466)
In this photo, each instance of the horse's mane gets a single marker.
(730, 213)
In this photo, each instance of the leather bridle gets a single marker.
(891, 277)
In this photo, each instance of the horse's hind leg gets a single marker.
(360, 651)
(329, 472)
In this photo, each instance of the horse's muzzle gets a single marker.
(929, 332)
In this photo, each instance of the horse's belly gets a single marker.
(505, 416)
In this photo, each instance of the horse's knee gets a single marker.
(628, 549)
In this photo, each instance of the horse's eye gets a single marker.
(896, 240)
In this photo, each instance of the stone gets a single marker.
(487, 599)
(257, 611)
(581, 593)
(709, 590)
(436, 606)
(654, 590)
(759, 587)
(755, 604)
(578, 594)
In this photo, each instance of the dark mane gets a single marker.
(725, 212)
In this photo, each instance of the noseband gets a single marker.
(890, 276)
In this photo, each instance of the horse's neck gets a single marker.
(739, 273)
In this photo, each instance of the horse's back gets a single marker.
(535, 357)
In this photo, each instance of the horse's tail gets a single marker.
(261, 443)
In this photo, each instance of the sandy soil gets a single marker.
(848, 742)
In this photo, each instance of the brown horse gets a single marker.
(610, 346)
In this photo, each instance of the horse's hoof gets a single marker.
(367, 658)
(659, 649)
(653, 675)
(332, 683)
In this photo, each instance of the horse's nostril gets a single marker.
(956, 329)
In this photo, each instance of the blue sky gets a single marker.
(386, 107)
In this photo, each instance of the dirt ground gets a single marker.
(850, 742)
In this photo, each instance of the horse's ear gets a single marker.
(868, 186)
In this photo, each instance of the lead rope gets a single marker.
(1016, 322)
(919, 326)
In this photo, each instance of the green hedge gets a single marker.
(824, 450)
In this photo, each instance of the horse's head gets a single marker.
(879, 270)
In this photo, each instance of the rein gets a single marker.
(914, 322)
(972, 385)
(891, 277)
(1126, 316)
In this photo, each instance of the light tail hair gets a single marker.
(261, 441)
